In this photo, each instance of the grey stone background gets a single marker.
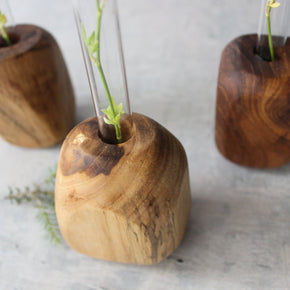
(238, 236)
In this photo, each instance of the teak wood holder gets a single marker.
(129, 202)
(37, 104)
(253, 105)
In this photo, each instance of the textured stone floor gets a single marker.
(238, 236)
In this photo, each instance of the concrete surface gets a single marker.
(238, 236)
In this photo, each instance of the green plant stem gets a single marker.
(101, 71)
(5, 35)
(270, 36)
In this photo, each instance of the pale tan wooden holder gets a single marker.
(36, 96)
(128, 202)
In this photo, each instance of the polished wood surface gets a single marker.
(36, 96)
(253, 105)
(128, 202)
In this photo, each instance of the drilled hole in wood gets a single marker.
(14, 38)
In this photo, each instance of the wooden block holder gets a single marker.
(36, 96)
(129, 202)
(253, 105)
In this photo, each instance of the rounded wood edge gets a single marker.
(28, 37)
(72, 200)
(241, 53)
(249, 162)
(145, 132)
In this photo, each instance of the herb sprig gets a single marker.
(114, 111)
(41, 196)
(3, 32)
(269, 5)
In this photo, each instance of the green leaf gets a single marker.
(114, 103)
(274, 5)
(104, 111)
(109, 122)
(117, 119)
(95, 47)
(84, 31)
(3, 19)
(91, 39)
(108, 112)
(120, 109)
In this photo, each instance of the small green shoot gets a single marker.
(269, 5)
(113, 112)
(3, 32)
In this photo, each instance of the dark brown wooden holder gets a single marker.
(37, 104)
(253, 105)
(128, 202)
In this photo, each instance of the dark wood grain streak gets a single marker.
(131, 201)
(253, 105)
(85, 152)
(36, 94)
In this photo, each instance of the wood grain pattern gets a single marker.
(36, 96)
(253, 105)
(128, 202)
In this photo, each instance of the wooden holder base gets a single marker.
(128, 202)
(253, 105)
(36, 96)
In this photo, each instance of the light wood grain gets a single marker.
(253, 105)
(36, 96)
(128, 202)
(238, 235)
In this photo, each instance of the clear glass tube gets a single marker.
(279, 24)
(9, 25)
(99, 32)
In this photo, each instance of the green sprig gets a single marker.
(111, 118)
(3, 21)
(269, 5)
(113, 112)
(41, 196)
